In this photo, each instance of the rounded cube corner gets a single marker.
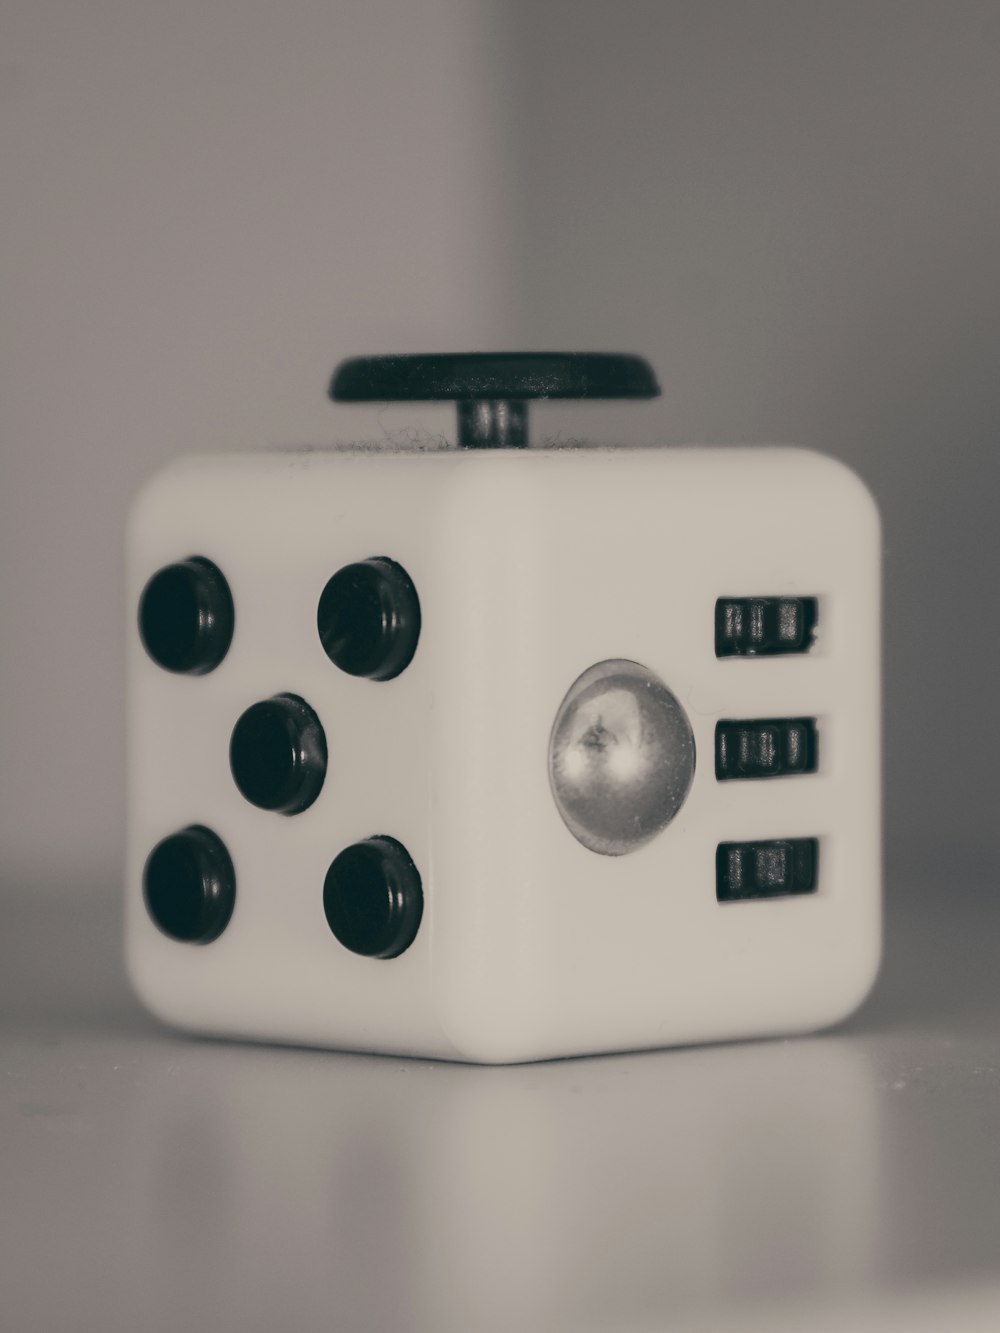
(149, 987)
(157, 497)
(478, 1033)
(855, 988)
(147, 995)
(846, 485)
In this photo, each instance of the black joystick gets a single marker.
(492, 389)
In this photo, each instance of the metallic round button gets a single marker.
(373, 898)
(278, 754)
(186, 616)
(369, 619)
(189, 885)
(621, 757)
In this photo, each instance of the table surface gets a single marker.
(151, 1181)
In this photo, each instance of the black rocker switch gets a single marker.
(765, 748)
(764, 626)
(778, 868)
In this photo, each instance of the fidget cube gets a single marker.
(495, 753)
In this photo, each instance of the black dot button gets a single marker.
(189, 885)
(369, 619)
(278, 754)
(373, 898)
(186, 616)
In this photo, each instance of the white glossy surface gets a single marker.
(155, 1182)
(531, 946)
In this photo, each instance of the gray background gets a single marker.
(791, 208)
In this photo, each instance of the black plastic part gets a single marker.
(373, 898)
(764, 626)
(186, 616)
(189, 885)
(774, 869)
(369, 619)
(765, 748)
(489, 423)
(452, 376)
(278, 754)
(492, 389)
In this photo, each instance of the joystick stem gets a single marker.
(493, 423)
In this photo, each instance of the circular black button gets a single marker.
(472, 376)
(186, 616)
(369, 619)
(278, 754)
(190, 886)
(373, 898)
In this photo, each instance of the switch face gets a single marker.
(764, 626)
(773, 869)
(765, 748)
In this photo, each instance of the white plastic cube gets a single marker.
(531, 566)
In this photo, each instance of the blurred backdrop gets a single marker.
(790, 206)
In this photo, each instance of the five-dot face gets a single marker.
(368, 622)
(621, 753)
